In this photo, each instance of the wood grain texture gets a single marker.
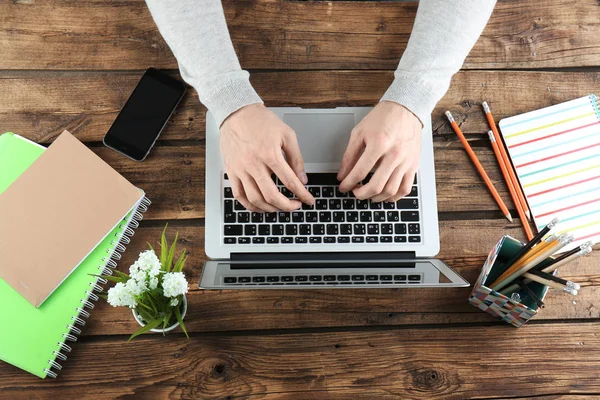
(465, 245)
(454, 363)
(280, 34)
(41, 105)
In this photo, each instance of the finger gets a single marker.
(240, 195)
(272, 196)
(405, 186)
(377, 183)
(392, 185)
(255, 195)
(294, 157)
(351, 156)
(289, 179)
(359, 172)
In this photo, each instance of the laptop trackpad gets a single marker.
(323, 137)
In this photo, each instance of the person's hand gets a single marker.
(252, 140)
(390, 136)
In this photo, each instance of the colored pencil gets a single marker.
(511, 187)
(514, 273)
(507, 162)
(533, 272)
(529, 254)
(479, 167)
(533, 241)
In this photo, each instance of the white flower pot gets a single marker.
(139, 320)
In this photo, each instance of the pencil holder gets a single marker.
(497, 304)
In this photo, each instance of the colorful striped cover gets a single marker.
(556, 154)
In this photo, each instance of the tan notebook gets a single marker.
(56, 213)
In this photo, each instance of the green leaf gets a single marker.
(150, 325)
(172, 253)
(180, 262)
(164, 249)
(180, 320)
(151, 248)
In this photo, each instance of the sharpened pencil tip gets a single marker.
(449, 115)
(528, 214)
(509, 217)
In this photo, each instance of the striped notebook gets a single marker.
(556, 154)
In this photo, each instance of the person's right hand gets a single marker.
(252, 140)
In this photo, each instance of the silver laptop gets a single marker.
(339, 242)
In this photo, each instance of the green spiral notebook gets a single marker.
(34, 339)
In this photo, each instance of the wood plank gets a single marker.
(40, 105)
(464, 246)
(454, 363)
(290, 35)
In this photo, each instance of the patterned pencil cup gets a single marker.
(492, 302)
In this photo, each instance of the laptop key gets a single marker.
(372, 239)
(315, 278)
(372, 277)
(258, 279)
(327, 191)
(244, 279)
(329, 239)
(385, 277)
(272, 240)
(335, 204)
(318, 229)
(233, 230)
(229, 218)
(325, 216)
(250, 230)
(388, 205)
(272, 279)
(362, 204)
(285, 216)
(258, 240)
(399, 277)
(297, 216)
(238, 206)
(386, 229)
(270, 217)
(322, 178)
(301, 278)
(244, 240)
(308, 206)
(332, 229)
(264, 230)
(375, 205)
(414, 229)
(287, 278)
(385, 239)
(305, 229)
(277, 230)
(379, 216)
(291, 230)
(393, 216)
(315, 191)
(321, 204)
(329, 278)
(340, 194)
(343, 278)
(315, 239)
(312, 216)
(257, 217)
(243, 217)
(229, 240)
(414, 192)
(227, 193)
(343, 239)
(358, 277)
(414, 239)
(287, 240)
(359, 229)
(358, 239)
(400, 229)
(348, 204)
(352, 216)
(345, 229)
(414, 277)
(301, 239)
(230, 279)
(373, 229)
(409, 216)
(399, 239)
(366, 216)
(338, 216)
(287, 192)
(407, 204)
(228, 206)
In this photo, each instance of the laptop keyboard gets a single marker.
(335, 217)
(373, 279)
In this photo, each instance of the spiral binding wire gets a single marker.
(109, 263)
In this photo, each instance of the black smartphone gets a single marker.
(145, 114)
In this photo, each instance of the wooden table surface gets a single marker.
(72, 64)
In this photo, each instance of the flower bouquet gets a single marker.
(154, 289)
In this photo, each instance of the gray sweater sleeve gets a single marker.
(443, 34)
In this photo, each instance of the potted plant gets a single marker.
(154, 289)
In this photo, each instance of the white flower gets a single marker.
(144, 272)
(136, 287)
(149, 262)
(174, 302)
(153, 282)
(120, 296)
(174, 284)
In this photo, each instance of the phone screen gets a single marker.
(144, 115)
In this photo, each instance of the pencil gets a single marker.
(554, 285)
(533, 241)
(511, 187)
(582, 251)
(529, 254)
(562, 241)
(477, 164)
(550, 277)
(569, 253)
(504, 153)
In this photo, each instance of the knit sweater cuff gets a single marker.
(413, 94)
(230, 97)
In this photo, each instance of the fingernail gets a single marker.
(303, 177)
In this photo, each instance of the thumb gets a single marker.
(294, 157)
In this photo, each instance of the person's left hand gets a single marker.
(390, 136)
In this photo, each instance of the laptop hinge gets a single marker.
(367, 256)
